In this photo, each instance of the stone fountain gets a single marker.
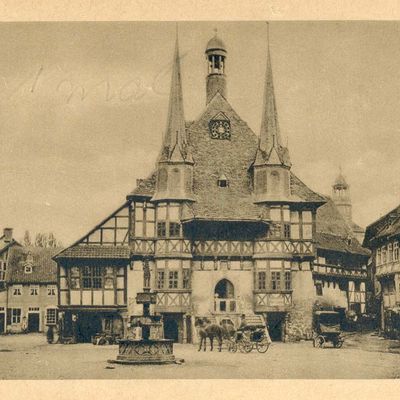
(144, 341)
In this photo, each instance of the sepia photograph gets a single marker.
(199, 200)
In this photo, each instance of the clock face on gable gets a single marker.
(220, 127)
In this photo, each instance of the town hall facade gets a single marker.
(224, 226)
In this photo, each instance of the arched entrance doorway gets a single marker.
(224, 295)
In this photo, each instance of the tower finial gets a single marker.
(215, 31)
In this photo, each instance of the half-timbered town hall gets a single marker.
(224, 226)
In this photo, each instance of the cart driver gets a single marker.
(243, 323)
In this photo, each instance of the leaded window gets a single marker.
(275, 280)
(51, 316)
(174, 229)
(173, 280)
(16, 316)
(288, 280)
(162, 229)
(262, 277)
(92, 277)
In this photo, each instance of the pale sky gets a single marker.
(83, 109)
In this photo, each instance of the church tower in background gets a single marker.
(342, 199)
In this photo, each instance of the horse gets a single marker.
(206, 329)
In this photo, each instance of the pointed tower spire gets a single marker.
(175, 141)
(175, 163)
(270, 137)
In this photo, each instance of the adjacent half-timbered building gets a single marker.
(224, 224)
(383, 238)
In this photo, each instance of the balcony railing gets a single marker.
(222, 305)
(238, 248)
(335, 270)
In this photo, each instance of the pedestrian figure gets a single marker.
(50, 334)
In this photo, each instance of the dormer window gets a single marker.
(223, 181)
(28, 269)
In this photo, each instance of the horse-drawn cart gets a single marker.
(249, 338)
(327, 329)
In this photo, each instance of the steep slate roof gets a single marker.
(232, 158)
(6, 245)
(95, 251)
(44, 269)
(213, 157)
(333, 233)
(386, 226)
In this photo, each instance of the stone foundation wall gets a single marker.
(298, 324)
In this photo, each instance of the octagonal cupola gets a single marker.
(216, 76)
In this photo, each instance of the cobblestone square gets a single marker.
(362, 356)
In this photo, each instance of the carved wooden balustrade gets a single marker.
(176, 300)
(223, 248)
(170, 247)
(212, 248)
(263, 248)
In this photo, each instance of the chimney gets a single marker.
(8, 233)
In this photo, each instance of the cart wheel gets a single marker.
(233, 347)
(319, 342)
(339, 343)
(262, 346)
(245, 347)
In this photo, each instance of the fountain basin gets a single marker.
(149, 351)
